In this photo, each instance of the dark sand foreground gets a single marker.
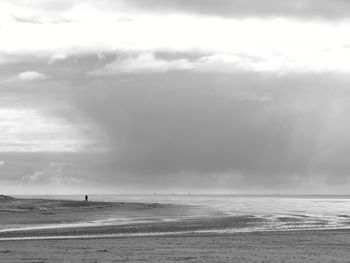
(305, 246)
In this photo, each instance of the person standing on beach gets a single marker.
(86, 198)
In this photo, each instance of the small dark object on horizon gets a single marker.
(86, 198)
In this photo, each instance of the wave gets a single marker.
(170, 233)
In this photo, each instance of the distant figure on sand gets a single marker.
(86, 198)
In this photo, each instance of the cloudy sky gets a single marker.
(143, 96)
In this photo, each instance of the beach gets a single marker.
(44, 218)
(297, 246)
(41, 213)
(171, 230)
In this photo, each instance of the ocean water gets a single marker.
(258, 213)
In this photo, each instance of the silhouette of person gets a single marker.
(86, 198)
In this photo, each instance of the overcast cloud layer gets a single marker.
(298, 8)
(173, 96)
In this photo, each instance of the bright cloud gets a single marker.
(57, 57)
(28, 130)
(143, 63)
(258, 44)
(32, 75)
(225, 62)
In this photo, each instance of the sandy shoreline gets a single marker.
(45, 215)
(23, 218)
(151, 241)
(190, 225)
(294, 246)
(154, 241)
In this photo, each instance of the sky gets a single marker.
(174, 96)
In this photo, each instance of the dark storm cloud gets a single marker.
(164, 127)
(231, 8)
(193, 130)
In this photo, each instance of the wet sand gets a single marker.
(18, 212)
(146, 244)
(298, 246)
(43, 218)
